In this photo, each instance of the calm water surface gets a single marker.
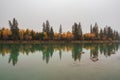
(60, 61)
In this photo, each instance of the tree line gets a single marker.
(96, 33)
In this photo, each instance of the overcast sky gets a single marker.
(32, 13)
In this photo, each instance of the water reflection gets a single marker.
(14, 50)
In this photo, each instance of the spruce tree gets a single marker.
(14, 29)
(77, 31)
(51, 33)
(91, 29)
(60, 29)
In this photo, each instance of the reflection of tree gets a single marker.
(4, 49)
(48, 50)
(14, 54)
(76, 52)
(94, 54)
(108, 49)
(60, 53)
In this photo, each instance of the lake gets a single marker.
(88, 61)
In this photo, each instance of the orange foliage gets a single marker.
(89, 35)
(28, 31)
(6, 32)
(45, 35)
(67, 35)
(21, 33)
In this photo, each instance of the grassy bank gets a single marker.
(52, 41)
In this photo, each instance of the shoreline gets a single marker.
(52, 41)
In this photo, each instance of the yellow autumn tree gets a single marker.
(89, 36)
(45, 35)
(56, 36)
(6, 33)
(21, 34)
(69, 35)
(27, 35)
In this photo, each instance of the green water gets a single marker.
(60, 61)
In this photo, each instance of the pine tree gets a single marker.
(60, 29)
(32, 33)
(109, 33)
(101, 34)
(14, 29)
(96, 30)
(117, 35)
(91, 29)
(79, 30)
(75, 31)
(44, 27)
(47, 27)
(51, 33)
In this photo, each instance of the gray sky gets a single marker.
(32, 13)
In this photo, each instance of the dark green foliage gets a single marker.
(76, 52)
(51, 33)
(95, 30)
(14, 54)
(32, 34)
(47, 27)
(44, 27)
(101, 34)
(39, 36)
(116, 35)
(14, 29)
(91, 29)
(110, 33)
(60, 31)
(48, 30)
(77, 31)
(105, 31)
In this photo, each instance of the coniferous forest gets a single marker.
(14, 33)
